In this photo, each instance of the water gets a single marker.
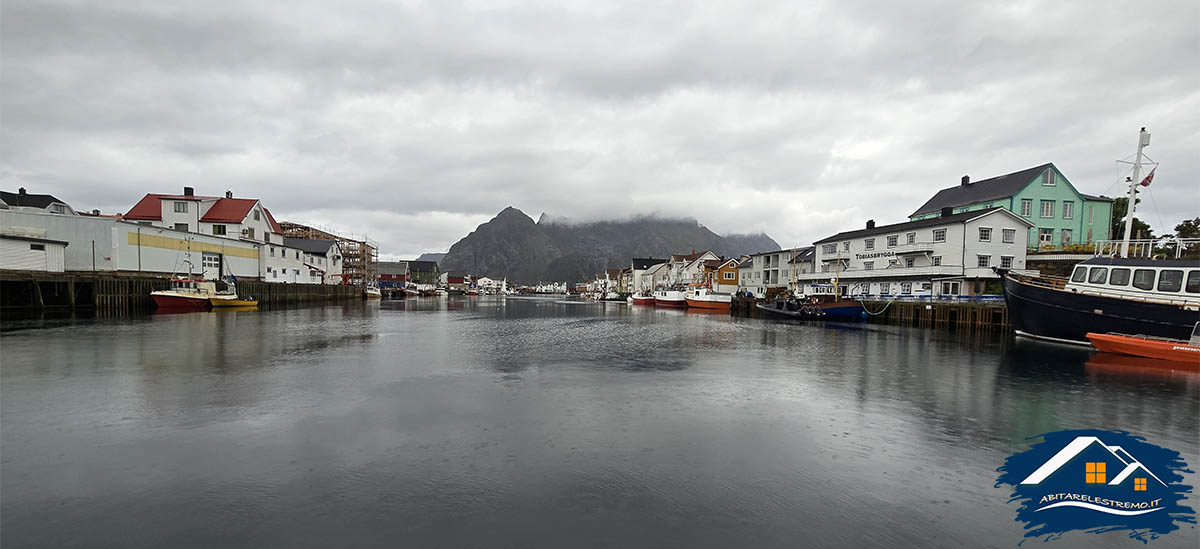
(538, 422)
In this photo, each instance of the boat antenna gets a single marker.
(1143, 142)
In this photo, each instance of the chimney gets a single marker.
(966, 180)
(870, 223)
(947, 211)
(228, 194)
(188, 191)
(21, 190)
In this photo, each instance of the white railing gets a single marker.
(1148, 248)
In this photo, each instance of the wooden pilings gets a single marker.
(926, 315)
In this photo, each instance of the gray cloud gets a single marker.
(415, 122)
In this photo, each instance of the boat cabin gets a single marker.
(1167, 281)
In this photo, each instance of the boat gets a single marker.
(219, 302)
(790, 308)
(1125, 290)
(371, 291)
(705, 298)
(1176, 350)
(841, 309)
(670, 298)
(190, 294)
(642, 298)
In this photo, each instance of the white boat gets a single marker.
(670, 298)
(705, 298)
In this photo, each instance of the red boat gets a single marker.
(1150, 347)
(185, 295)
(642, 299)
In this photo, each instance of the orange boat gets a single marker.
(703, 298)
(1150, 347)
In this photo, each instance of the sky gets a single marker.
(415, 122)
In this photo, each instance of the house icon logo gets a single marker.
(1098, 481)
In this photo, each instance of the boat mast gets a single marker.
(837, 269)
(1143, 142)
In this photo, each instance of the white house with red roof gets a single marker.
(230, 217)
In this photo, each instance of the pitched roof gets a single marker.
(804, 254)
(643, 263)
(1097, 198)
(150, 206)
(309, 245)
(930, 222)
(29, 200)
(390, 267)
(1001, 186)
(223, 210)
(422, 266)
(689, 257)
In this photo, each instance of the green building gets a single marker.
(1061, 215)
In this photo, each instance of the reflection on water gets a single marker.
(540, 421)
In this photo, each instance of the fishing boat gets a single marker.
(371, 291)
(705, 298)
(1177, 350)
(191, 294)
(793, 308)
(642, 298)
(833, 306)
(670, 298)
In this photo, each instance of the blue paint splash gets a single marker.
(1072, 478)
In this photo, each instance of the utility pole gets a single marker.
(1143, 142)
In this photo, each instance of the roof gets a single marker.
(689, 257)
(746, 264)
(29, 200)
(930, 222)
(713, 263)
(1001, 186)
(643, 263)
(1096, 198)
(223, 210)
(756, 254)
(310, 245)
(389, 267)
(31, 238)
(422, 266)
(807, 253)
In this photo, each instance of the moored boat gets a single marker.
(644, 298)
(188, 294)
(371, 291)
(670, 298)
(841, 309)
(705, 298)
(223, 302)
(1150, 347)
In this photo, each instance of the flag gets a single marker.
(1146, 182)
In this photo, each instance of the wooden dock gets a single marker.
(121, 294)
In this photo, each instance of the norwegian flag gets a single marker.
(1146, 182)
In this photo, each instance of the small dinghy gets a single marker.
(1150, 347)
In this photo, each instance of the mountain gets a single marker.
(436, 258)
(512, 245)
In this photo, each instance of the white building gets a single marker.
(639, 266)
(654, 277)
(322, 260)
(27, 253)
(948, 255)
(765, 273)
(22, 201)
(689, 268)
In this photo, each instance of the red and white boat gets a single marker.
(670, 298)
(1161, 348)
(705, 298)
(187, 294)
(644, 298)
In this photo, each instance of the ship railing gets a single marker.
(1156, 298)
(1170, 247)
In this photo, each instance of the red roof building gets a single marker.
(219, 216)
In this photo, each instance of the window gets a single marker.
(825, 268)
(1066, 237)
(728, 275)
(910, 238)
(297, 271)
(257, 216)
(1095, 471)
(909, 261)
(219, 230)
(1026, 207)
(983, 261)
(1091, 210)
(181, 207)
(939, 235)
(1006, 261)
(892, 240)
(38, 247)
(1119, 277)
(58, 208)
(846, 246)
(1068, 210)
(1045, 237)
(1048, 178)
(868, 265)
(181, 227)
(869, 243)
(1047, 209)
(937, 260)
(1170, 281)
(1193, 282)
(1098, 275)
(906, 287)
(1143, 279)
(1079, 275)
(1009, 236)
(885, 288)
(250, 232)
(272, 251)
(212, 261)
(1139, 485)
(829, 249)
(985, 234)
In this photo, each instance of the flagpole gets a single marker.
(1143, 142)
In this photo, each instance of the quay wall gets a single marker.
(117, 294)
(991, 314)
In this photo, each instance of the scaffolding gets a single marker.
(360, 254)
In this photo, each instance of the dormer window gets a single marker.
(58, 208)
(181, 207)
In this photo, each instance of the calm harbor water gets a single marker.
(539, 422)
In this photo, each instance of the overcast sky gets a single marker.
(416, 122)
